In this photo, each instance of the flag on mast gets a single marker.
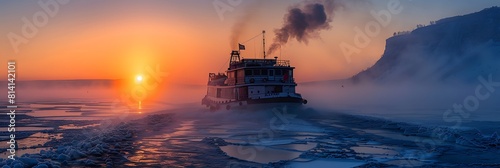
(241, 46)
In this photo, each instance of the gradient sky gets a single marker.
(95, 39)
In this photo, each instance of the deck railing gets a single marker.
(282, 63)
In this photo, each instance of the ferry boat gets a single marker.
(251, 82)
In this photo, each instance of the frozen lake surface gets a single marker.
(94, 134)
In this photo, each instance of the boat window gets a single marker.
(248, 72)
(256, 72)
(264, 72)
(271, 72)
(278, 72)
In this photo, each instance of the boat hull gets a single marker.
(291, 100)
(264, 103)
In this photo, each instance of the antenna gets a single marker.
(264, 42)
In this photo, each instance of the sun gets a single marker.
(138, 78)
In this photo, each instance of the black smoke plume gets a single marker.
(302, 22)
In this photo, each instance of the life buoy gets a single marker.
(252, 80)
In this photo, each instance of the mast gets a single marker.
(264, 42)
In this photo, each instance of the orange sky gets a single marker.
(187, 39)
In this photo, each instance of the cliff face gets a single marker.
(456, 49)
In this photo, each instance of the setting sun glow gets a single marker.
(138, 78)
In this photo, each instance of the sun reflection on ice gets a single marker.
(140, 107)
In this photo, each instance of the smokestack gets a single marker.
(302, 22)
